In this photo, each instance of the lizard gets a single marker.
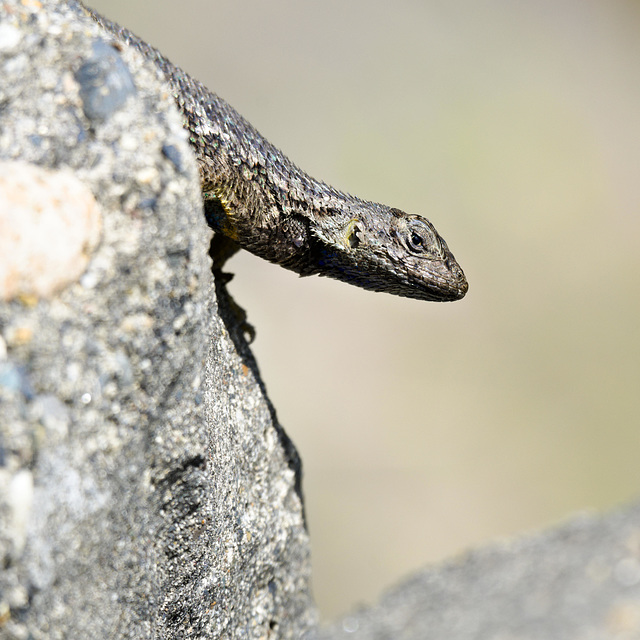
(257, 199)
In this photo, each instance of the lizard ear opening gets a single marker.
(351, 233)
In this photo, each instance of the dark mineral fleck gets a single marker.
(105, 82)
(171, 153)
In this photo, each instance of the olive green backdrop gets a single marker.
(514, 126)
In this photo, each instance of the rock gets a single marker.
(579, 580)
(146, 488)
(49, 225)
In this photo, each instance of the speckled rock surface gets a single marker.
(579, 581)
(146, 490)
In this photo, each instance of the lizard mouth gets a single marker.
(461, 286)
(445, 289)
(436, 280)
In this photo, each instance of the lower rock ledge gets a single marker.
(579, 580)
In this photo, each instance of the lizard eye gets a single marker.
(421, 240)
(417, 242)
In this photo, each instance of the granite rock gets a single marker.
(579, 580)
(146, 488)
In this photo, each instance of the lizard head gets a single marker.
(384, 249)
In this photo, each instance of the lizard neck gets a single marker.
(252, 192)
(255, 193)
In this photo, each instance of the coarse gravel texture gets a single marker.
(146, 490)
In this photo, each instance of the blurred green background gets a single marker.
(514, 126)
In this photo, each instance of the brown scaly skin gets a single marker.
(260, 200)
